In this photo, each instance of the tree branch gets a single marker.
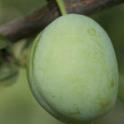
(37, 21)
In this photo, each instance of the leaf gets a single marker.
(8, 74)
(121, 87)
(3, 42)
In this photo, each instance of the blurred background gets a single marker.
(18, 106)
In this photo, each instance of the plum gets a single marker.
(73, 70)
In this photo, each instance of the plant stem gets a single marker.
(33, 23)
(61, 6)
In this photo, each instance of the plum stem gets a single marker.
(61, 6)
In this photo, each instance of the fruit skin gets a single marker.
(73, 69)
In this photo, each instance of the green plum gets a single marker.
(73, 70)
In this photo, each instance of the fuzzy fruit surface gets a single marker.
(73, 70)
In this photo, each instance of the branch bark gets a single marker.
(37, 21)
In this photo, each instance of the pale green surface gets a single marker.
(74, 69)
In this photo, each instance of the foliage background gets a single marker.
(18, 106)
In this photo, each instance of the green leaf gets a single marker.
(3, 42)
(121, 87)
(8, 73)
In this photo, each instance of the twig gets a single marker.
(35, 22)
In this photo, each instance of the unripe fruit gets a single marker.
(73, 70)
